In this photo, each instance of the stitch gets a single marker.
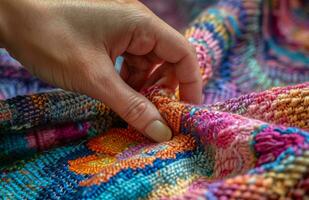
(145, 155)
(241, 144)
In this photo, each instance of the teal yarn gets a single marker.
(248, 140)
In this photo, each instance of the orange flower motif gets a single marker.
(116, 141)
(91, 164)
(120, 149)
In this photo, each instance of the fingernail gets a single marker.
(158, 131)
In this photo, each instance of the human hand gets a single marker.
(73, 44)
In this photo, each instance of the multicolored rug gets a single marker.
(249, 140)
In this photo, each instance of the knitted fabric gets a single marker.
(239, 50)
(243, 143)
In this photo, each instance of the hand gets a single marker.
(73, 44)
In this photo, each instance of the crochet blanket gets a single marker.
(249, 140)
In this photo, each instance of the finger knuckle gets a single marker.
(135, 109)
(192, 49)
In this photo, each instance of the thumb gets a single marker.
(133, 107)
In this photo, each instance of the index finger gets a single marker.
(172, 47)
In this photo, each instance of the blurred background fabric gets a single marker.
(178, 13)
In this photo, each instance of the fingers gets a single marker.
(133, 107)
(190, 81)
(173, 48)
(136, 69)
(163, 75)
(132, 77)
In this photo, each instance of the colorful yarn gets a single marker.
(24, 112)
(243, 143)
(286, 106)
(22, 145)
(239, 54)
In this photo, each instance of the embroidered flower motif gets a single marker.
(120, 149)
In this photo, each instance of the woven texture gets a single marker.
(249, 140)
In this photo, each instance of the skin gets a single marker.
(73, 44)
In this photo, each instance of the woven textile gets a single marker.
(249, 140)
